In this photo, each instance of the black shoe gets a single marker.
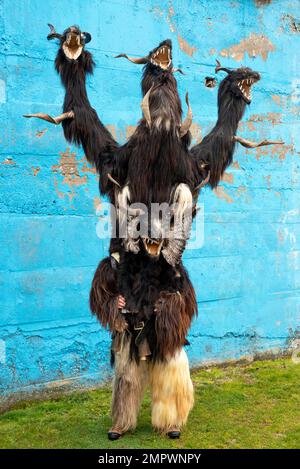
(174, 434)
(113, 435)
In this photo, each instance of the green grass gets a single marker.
(249, 406)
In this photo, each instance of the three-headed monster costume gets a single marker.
(157, 165)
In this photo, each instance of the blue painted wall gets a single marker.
(247, 275)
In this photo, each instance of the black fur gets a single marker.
(217, 147)
(86, 128)
(153, 161)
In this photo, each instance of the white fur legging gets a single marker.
(171, 386)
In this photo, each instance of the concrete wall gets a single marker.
(246, 275)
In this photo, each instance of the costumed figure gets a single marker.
(141, 292)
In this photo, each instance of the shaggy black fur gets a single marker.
(217, 147)
(155, 292)
(86, 128)
(153, 161)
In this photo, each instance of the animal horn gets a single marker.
(141, 60)
(53, 120)
(53, 34)
(219, 67)
(250, 144)
(174, 70)
(186, 124)
(145, 107)
(203, 183)
(109, 176)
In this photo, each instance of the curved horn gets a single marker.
(53, 120)
(87, 37)
(53, 34)
(174, 70)
(219, 67)
(186, 124)
(250, 144)
(203, 183)
(109, 176)
(145, 106)
(141, 60)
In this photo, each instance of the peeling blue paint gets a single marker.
(247, 274)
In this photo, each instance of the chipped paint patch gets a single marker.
(276, 99)
(157, 11)
(59, 193)
(273, 117)
(40, 133)
(97, 203)
(268, 180)
(196, 132)
(35, 170)
(112, 129)
(182, 42)
(185, 46)
(254, 45)
(281, 151)
(250, 125)
(130, 129)
(87, 168)
(221, 194)
(68, 168)
(236, 165)
(170, 14)
(8, 162)
(228, 177)
(261, 3)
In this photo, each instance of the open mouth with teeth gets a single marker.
(245, 88)
(161, 57)
(72, 46)
(152, 246)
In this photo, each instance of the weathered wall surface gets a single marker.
(246, 275)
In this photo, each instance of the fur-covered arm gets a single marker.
(86, 127)
(212, 156)
(80, 122)
(217, 148)
(104, 297)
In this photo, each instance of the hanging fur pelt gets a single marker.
(141, 293)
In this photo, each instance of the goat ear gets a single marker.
(87, 37)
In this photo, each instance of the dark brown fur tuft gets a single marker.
(172, 323)
(104, 297)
